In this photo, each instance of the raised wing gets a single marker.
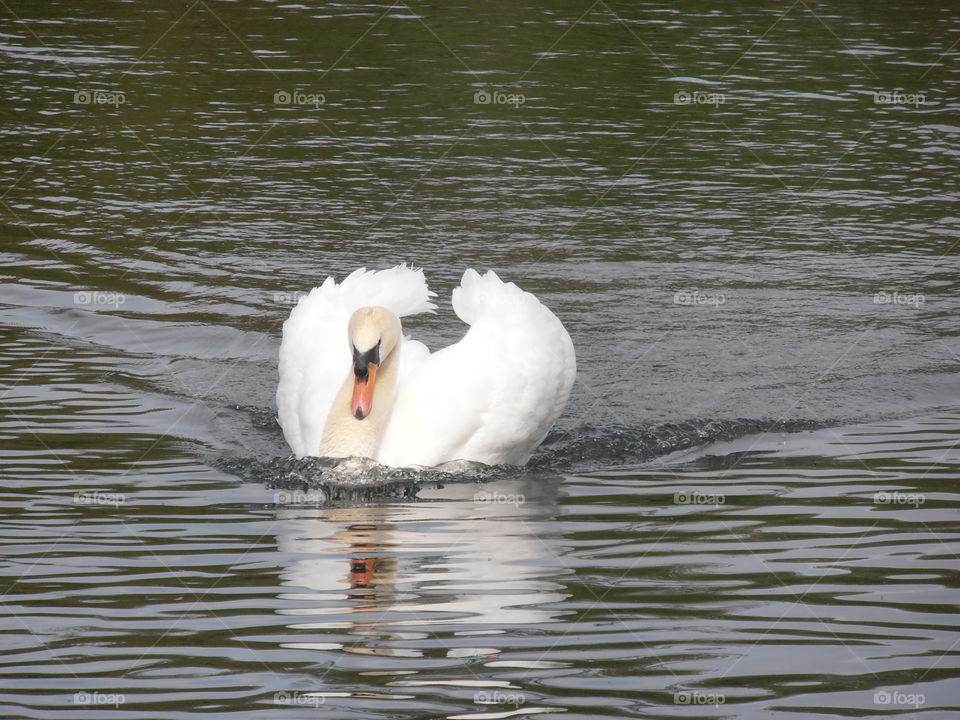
(314, 354)
(493, 396)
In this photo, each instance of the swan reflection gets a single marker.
(423, 579)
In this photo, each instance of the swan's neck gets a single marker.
(344, 435)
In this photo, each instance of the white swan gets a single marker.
(351, 384)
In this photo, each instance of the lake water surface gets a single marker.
(745, 216)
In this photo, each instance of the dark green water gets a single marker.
(745, 215)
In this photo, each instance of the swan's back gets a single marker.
(314, 352)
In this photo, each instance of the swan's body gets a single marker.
(351, 384)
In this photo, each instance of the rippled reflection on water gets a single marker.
(798, 573)
(749, 508)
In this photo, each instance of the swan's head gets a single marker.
(374, 333)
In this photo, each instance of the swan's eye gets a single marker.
(362, 359)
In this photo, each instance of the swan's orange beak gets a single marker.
(362, 401)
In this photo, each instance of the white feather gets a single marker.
(491, 398)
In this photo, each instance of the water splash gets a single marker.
(329, 481)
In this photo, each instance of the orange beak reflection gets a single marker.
(362, 401)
